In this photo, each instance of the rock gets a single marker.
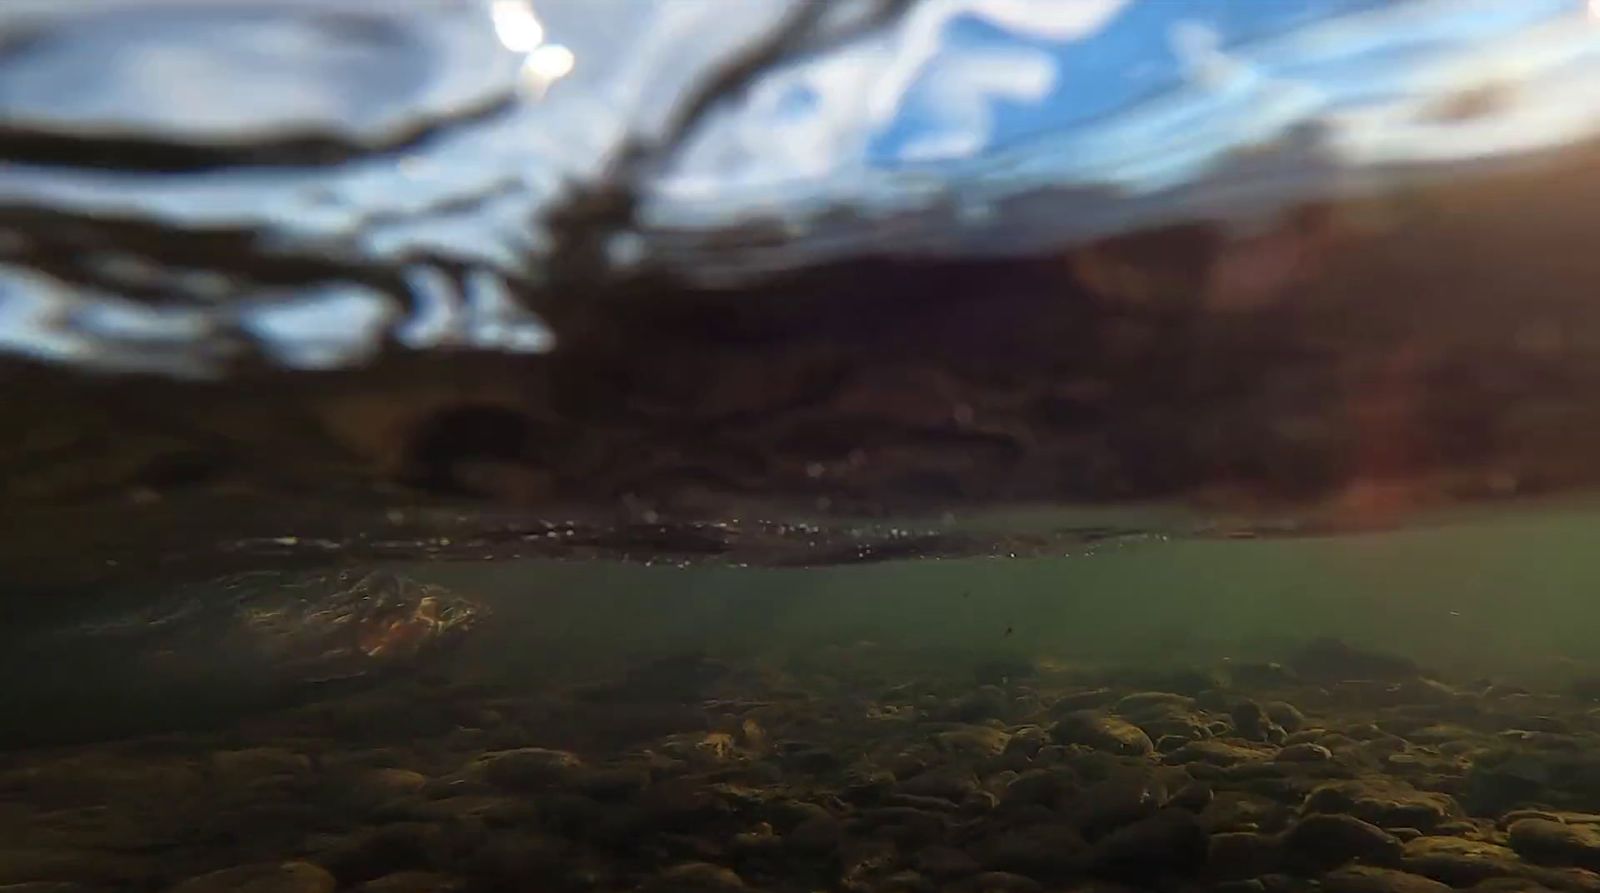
(817, 835)
(1571, 818)
(946, 862)
(900, 882)
(801, 757)
(1505, 820)
(370, 788)
(1178, 725)
(1458, 862)
(679, 804)
(1121, 799)
(1157, 702)
(1369, 879)
(1286, 715)
(1511, 885)
(906, 826)
(1437, 733)
(1027, 741)
(1046, 787)
(413, 882)
(978, 803)
(243, 766)
(1000, 882)
(1194, 796)
(1304, 753)
(914, 760)
(614, 783)
(1285, 883)
(866, 785)
(1251, 722)
(1101, 732)
(1385, 802)
(513, 858)
(695, 877)
(997, 782)
(988, 702)
(370, 852)
(977, 741)
(1055, 754)
(758, 839)
(1501, 780)
(525, 768)
(786, 814)
(1555, 843)
(1326, 840)
(948, 783)
(1038, 851)
(60, 864)
(701, 750)
(1082, 700)
(1218, 753)
(491, 808)
(274, 877)
(1242, 854)
(1169, 842)
(1166, 744)
(1233, 810)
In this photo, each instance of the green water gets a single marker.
(981, 724)
(1486, 593)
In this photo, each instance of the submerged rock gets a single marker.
(1286, 715)
(1252, 722)
(1459, 862)
(1242, 854)
(413, 882)
(1368, 879)
(284, 877)
(1040, 851)
(1329, 840)
(1171, 841)
(1503, 779)
(1382, 801)
(279, 629)
(1103, 732)
(526, 768)
(695, 877)
(1304, 752)
(1218, 753)
(1555, 843)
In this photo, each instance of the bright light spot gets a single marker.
(550, 62)
(1594, 9)
(516, 25)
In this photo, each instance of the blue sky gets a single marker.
(1131, 57)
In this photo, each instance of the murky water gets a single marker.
(1368, 708)
(887, 447)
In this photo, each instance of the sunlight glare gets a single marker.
(550, 62)
(516, 25)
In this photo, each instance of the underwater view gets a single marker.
(878, 446)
